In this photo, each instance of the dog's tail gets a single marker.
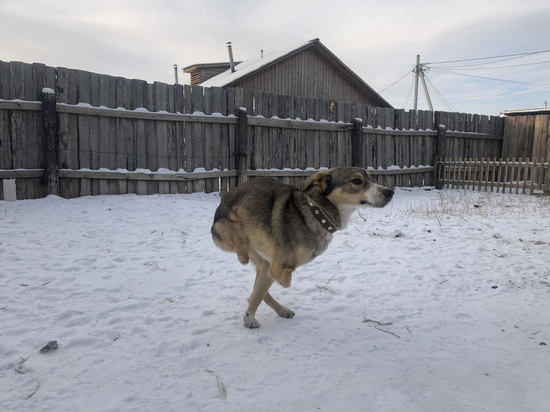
(219, 217)
(215, 235)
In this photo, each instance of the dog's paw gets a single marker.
(285, 312)
(250, 321)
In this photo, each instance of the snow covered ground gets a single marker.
(438, 302)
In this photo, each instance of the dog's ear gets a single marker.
(321, 179)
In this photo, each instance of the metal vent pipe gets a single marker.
(231, 62)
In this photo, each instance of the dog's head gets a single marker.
(349, 186)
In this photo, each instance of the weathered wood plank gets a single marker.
(161, 131)
(242, 147)
(117, 175)
(4, 80)
(22, 173)
(113, 186)
(209, 158)
(197, 137)
(67, 91)
(20, 105)
(6, 150)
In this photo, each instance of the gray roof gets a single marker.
(525, 112)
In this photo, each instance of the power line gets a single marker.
(490, 57)
(394, 83)
(485, 63)
(496, 67)
(544, 86)
(410, 91)
(489, 63)
(440, 95)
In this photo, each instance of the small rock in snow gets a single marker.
(52, 345)
(398, 233)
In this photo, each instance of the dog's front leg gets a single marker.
(261, 288)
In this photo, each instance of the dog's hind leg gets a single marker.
(281, 310)
(228, 235)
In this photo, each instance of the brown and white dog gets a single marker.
(281, 227)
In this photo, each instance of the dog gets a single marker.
(280, 227)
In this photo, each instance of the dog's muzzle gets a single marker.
(381, 199)
(388, 194)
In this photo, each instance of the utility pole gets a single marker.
(416, 71)
(419, 72)
(426, 90)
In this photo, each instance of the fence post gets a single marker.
(51, 138)
(241, 146)
(357, 143)
(439, 153)
(546, 187)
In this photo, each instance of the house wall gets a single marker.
(307, 74)
(527, 136)
(203, 74)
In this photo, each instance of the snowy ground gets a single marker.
(439, 302)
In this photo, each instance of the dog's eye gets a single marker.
(357, 181)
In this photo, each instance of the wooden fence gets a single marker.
(499, 175)
(85, 134)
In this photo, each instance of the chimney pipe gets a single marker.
(230, 50)
(176, 74)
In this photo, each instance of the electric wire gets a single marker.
(494, 67)
(490, 57)
(394, 83)
(478, 64)
(437, 93)
(410, 92)
(544, 86)
(440, 95)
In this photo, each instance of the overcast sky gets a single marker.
(379, 40)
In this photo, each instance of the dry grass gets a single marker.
(219, 383)
(377, 325)
(464, 203)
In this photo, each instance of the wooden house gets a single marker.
(203, 71)
(307, 70)
(527, 134)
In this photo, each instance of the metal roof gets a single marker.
(525, 112)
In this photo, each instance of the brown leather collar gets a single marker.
(322, 218)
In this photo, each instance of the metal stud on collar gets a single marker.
(322, 218)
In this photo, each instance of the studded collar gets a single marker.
(327, 224)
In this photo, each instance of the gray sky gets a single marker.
(379, 40)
